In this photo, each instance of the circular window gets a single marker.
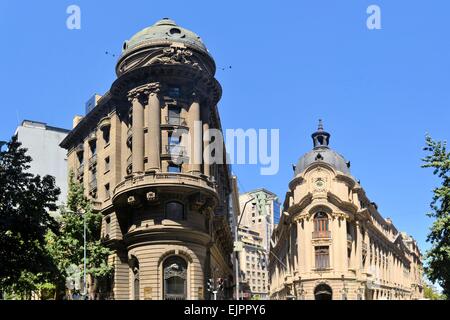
(175, 31)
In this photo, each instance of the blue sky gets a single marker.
(292, 62)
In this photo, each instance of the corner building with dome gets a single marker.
(165, 209)
(332, 243)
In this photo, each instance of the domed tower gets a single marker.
(331, 242)
(313, 230)
(165, 204)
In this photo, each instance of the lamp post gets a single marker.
(236, 241)
(84, 252)
(84, 257)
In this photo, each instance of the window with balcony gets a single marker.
(321, 225)
(322, 255)
(174, 210)
(174, 117)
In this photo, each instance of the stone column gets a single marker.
(154, 127)
(195, 132)
(138, 131)
(358, 253)
(206, 138)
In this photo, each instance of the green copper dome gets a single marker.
(162, 31)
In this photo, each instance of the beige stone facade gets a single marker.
(332, 243)
(165, 205)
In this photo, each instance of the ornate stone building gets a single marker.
(332, 243)
(165, 205)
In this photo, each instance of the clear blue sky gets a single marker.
(292, 62)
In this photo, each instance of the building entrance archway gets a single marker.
(323, 292)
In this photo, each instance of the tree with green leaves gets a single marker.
(429, 292)
(438, 257)
(25, 203)
(67, 247)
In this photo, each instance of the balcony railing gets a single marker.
(92, 160)
(176, 121)
(80, 171)
(93, 185)
(321, 234)
(364, 246)
(176, 150)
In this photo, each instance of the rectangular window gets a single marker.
(174, 115)
(106, 136)
(107, 226)
(107, 191)
(93, 147)
(322, 257)
(107, 164)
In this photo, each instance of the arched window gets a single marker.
(134, 265)
(174, 210)
(321, 225)
(175, 278)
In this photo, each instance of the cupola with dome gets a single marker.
(322, 153)
(161, 42)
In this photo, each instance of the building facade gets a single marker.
(260, 211)
(332, 243)
(139, 153)
(48, 158)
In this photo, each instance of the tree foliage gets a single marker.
(25, 203)
(438, 257)
(67, 247)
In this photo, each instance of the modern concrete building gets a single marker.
(332, 243)
(165, 203)
(48, 158)
(255, 230)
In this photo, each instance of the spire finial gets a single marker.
(320, 127)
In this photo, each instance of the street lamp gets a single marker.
(84, 252)
(236, 242)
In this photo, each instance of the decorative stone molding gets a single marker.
(176, 55)
(144, 91)
(151, 196)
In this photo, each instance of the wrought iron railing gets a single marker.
(176, 121)
(175, 150)
(93, 160)
(321, 234)
(93, 185)
(80, 171)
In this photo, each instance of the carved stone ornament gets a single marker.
(176, 55)
(175, 270)
(151, 196)
(144, 91)
(319, 184)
